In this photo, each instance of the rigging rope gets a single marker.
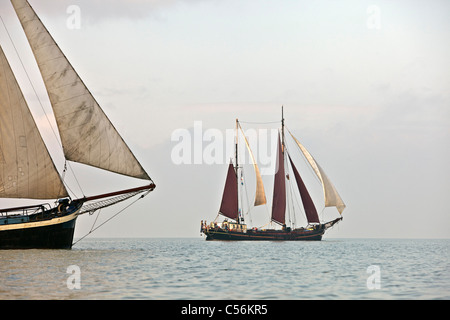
(110, 218)
(250, 122)
(91, 208)
(95, 221)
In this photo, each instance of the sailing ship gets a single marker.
(27, 170)
(232, 208)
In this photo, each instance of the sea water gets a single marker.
(192, 268)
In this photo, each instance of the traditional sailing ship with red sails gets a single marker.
(231, 208)
(27, 170)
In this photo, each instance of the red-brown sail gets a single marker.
(229, 205)
(308, 204)
(279, 189)
(239, 231)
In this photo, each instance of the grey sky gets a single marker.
(365, 87)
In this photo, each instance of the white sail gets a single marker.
(26, 169)
(87, 135)
(332, 197)
(260, 196)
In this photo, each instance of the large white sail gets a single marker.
(26, 169)
(87, 135)
(332, 197)
(260, 195)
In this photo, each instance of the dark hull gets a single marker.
(52, 236)
(300, 234)
(268, 235)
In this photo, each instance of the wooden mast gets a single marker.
(282, 130)
(237, 175)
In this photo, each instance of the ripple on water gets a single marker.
(196, 269)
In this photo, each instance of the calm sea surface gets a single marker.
(195, 269)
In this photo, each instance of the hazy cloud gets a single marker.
(98, 10)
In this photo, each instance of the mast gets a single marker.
(236, 146)
(282, 131)
(279, 187)
(282, 159)
(237, 174)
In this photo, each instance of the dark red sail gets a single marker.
(279, 189)
(308, 204)
(229, 205)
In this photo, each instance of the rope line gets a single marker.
(109, 219)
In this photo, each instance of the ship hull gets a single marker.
(56, 233)
(300, 234)
(267, 235)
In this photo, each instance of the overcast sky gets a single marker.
(364, 84)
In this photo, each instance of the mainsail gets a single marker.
(26, 168)
(279, 189)
(332, 198)
(229, 206)
(87, 135)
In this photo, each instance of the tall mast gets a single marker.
(282, 130)
(236, 144)
(282, 151)
(237, 166)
